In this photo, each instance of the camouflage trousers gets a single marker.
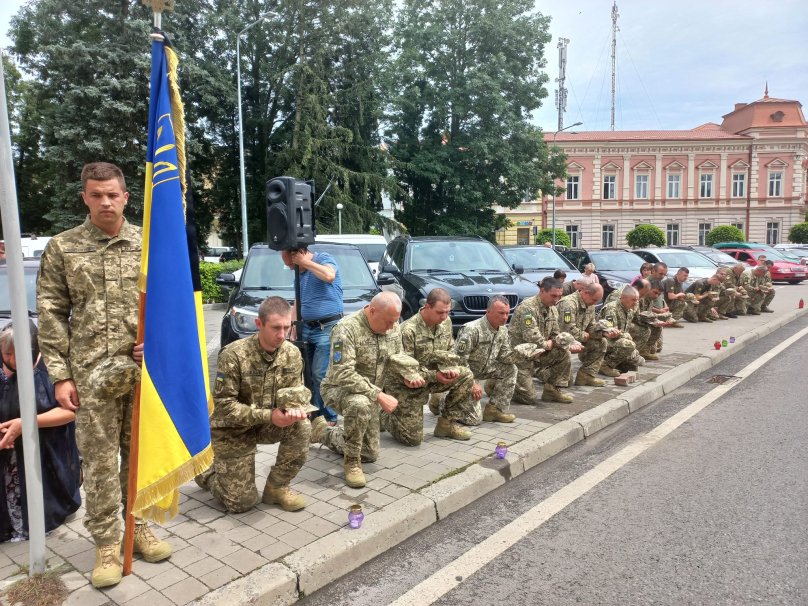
(359, 434)
(622, 353)
(726, 303)
(644, 337)
(592, 355)
(701, 310)
(500, 383)
(406, 422)
(677, 308)
(232, 477)
(757, 300)
(552, 367)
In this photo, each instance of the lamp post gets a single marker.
(339, 215)
(245, 245)
(554, 195)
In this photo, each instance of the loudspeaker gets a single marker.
(290, 213)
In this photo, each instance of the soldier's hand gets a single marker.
(548, 345)
(285, 418)
(137, 354)
(448, 377)
(387, 402)
(66, 394)
(585, 336)
(613, 333)
(477, 391)
(576, 348)
(415, 383)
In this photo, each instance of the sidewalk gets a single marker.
(271, 556)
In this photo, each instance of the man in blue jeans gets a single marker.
(321, 308)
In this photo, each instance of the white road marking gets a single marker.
(450, 576)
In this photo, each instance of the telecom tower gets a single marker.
(561, 93)
(615, 29)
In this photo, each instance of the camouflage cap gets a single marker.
(564, 340)
(690, 297)
(602, 325)
(528, 350)
(405, 367)
(114, 377)
(443, 361)
(646, 317)
(295, 397)
(664, 317)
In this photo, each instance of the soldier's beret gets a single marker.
(114, 377)
(405, 367)
(443, 361)
(295, 397)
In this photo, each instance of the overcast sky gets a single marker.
(679, 63)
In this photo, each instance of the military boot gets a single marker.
(152, 548)
(648, 355)
(766, 310)
(354, 476)
(552, 393)
(108, 569)
(288, 499)
(203, 478)
(608, 371)
(492, 413)
(584, 378)
(318, 429)
(449, 429)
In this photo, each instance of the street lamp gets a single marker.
(244, 242)
(554, 195)
(339, 211)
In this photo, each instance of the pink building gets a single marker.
(749, 171)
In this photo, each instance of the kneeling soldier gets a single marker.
(576, 315)
(621, 353)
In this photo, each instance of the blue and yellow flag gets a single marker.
(174, 431)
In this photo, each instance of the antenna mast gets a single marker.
(615, 29)
(561, 92)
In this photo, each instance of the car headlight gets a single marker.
(785, 270)
(243, 319)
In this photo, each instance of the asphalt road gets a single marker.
(715, 512)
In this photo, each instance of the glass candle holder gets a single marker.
(724, 343)
(732, 339)
(717, 344)
(355, 516)
(501, 450)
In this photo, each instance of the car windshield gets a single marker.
(457, 255)
(265, 269)
(684, 258)
(29, 275)
(780, 255)
(373, 252)
(616, 261)
(536, 257)
(719, 257)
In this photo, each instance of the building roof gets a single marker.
(704, 132)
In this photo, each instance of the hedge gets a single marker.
(208, 272)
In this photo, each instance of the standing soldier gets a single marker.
(259, 398)
(576, 315)
(621, 353)
(362, 346)
(535, 321)
(427, 337)
(87, 302)
(675, 295)
(485, 345)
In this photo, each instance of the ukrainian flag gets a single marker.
(174, 431)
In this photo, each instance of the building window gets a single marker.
(575, 236)
(773, 233)
(672, 234)
(706, 186)
(775, 185)
(607, 236)
(609, 187)
(674, 182)
(640, 186)
(704, 229)
(572, 187)
(738, 185)
(738, 225)
(523, 236)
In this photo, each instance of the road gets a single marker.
(706, 507)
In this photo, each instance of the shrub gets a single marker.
(724, 233)
(645, 235)
(212, 292)
(799, 234)
(546, 235)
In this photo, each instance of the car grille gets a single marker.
(479, 303)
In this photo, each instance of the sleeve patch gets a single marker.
(337, 355)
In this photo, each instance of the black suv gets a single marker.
(265, 275)
(469, 268)
(614, 267)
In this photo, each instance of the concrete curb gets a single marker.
(334, 555)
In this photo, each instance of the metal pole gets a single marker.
(339, 217)
(245, 245)
(22, 343)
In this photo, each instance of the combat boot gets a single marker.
(354, 476)
(494, 414)
(108, 569)
(152, 548)
(608, 371)
(752, 312)
(449, 429)
(584, 378)
(318, 429)
(552, 393)
(203, 478)
(288, 499)
(766, 310)
(648, 355)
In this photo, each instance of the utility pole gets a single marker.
(615, 29)
(561, 92)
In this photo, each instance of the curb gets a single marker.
(330, 557)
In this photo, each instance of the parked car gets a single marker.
(614, 267)
(764, 248)
(538, 262)
(718, 257)
(215, 252)
(30, 269)
(230, 255)
(469, 268)
(699, 265)
(372, 246)
(265, 275)
(796, 250)
(783, 270)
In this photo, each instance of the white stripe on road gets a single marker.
(450, 576)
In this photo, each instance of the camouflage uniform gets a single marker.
(568, 288)
(701, 309)
(768, 290)
(677, 306)
(244, 396)
(406, 423)
(759, 288)
(533, 322)
(488, 353)
(356, 375)
(576, 317)
(87, 299)
(645, 336)
(621, 352)
(730, 296)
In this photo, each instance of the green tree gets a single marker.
(546, 235)
(468, 76)
(798, 234)
(645, 235)
(724, 233)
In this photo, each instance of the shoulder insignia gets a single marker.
(528, 320)
(337, 351)
(462, 346)
(567, 317)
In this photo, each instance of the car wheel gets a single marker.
(794, 281)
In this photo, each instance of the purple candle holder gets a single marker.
(501, 450)
(732, 339)
(355, 516)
